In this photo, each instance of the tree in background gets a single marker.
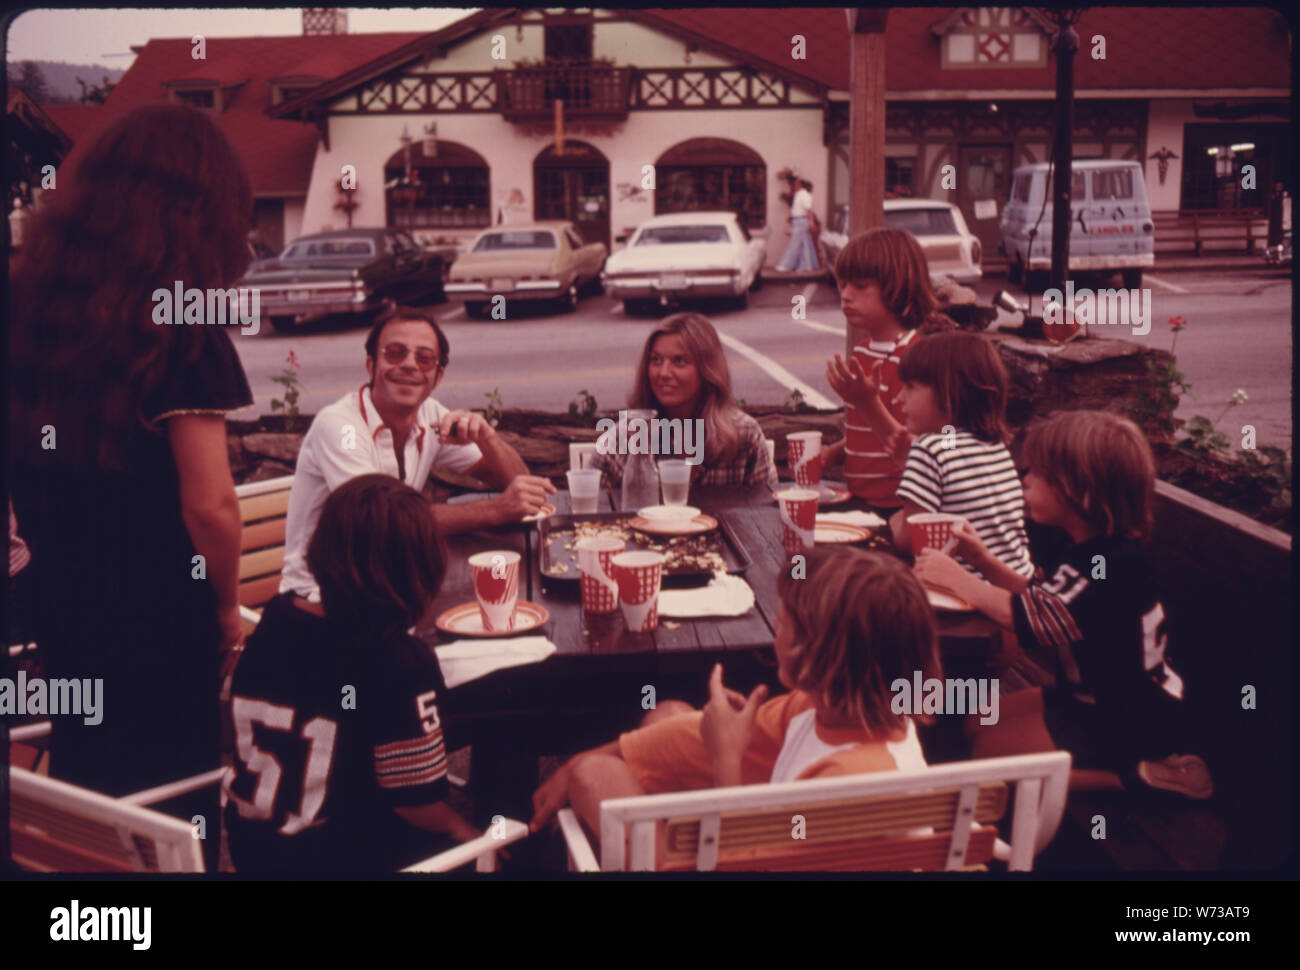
(95, 94)
(31, 81)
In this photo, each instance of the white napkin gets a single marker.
(466, 660)
(726, 595)
(868, 520)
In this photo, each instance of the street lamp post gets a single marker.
(1065, 43)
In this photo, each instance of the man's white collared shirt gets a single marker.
(349, 438)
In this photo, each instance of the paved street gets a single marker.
(1239, 336)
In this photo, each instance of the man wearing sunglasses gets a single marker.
(392, 426)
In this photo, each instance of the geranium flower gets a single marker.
(1178, 322)
(292, 359)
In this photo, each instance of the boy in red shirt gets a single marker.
(885, 293)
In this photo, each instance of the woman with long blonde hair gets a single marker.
(683, 374)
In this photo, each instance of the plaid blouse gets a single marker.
(750, 465)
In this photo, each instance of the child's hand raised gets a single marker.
(728, 725)
(851, 384)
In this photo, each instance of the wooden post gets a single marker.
(559, 127)
(866, 122)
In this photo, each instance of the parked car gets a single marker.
(352, 271)
(688, 254)
(536, 261)
(950, 247)
(1110, 220)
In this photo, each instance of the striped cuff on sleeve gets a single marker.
(1049, 618)
(406, 764)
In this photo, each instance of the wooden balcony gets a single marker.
(593, 93)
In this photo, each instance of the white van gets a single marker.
(1111, 226)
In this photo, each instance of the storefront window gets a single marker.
(448, 190)
(712, 173)
(900, 178)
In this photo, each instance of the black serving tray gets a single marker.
(551, 551)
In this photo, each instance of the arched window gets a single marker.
(446, 190)
(712, 173)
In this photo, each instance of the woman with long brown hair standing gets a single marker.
(118, 462)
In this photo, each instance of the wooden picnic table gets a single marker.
(594, 685)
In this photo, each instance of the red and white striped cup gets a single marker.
(933, 530)
(798, 508)
(805, 457)
(638, 575)
(599, 588)
(496, 587)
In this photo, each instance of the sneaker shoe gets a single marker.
(1185, 774)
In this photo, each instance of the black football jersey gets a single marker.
(1096, 620)
(330, 736)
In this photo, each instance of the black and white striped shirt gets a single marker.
(962, 475)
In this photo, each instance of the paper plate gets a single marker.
(540, 514)
(829, 494)
(690, 527)
(833, 494)
(943, 600)
(839, 532)
(465, 620)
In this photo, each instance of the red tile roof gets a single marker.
(74, 119)
(278, 154)
(1146, 47)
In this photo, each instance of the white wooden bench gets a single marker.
(940, 818)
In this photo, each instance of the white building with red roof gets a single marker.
(670, 110)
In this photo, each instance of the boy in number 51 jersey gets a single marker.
(341, 763)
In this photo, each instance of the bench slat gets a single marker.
(928, 852)
(269, 532)
(261, 563)
(263, 506)
(847, 819)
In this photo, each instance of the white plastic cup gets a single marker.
(675, 480)
(584, 490)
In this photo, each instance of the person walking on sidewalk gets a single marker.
(801, 254)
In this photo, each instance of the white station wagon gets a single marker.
(951, 249)
(685, 255)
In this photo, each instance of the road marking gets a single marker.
(808, 292)
(811, 396)
(1172, 288)
(816, 325)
